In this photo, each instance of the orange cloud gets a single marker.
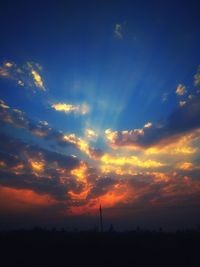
(184, 145)
(37, 166)
(2, 164)
(181, 90)
(81, 144)
(37, 79)
(130, 160)
(26, 75)
(81, 172)
(17, 200)
(117, 194)
(186, 166)
(68, 108)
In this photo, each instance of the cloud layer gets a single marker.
(141, 169)
(182, 120)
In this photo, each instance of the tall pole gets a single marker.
(101, 219)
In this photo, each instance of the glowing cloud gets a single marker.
(37, 166)
(181, 90)
(37, 79)
(80, 172)
(27, 75)
(130, 160)
(91, 134)
(22, 199)
(185, 166)
(148, 125)
(68, 108)
(184, 119)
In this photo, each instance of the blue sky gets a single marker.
(114, 87)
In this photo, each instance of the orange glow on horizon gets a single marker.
(22, 199)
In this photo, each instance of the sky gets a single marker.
(100, 104)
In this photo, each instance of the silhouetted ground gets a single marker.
(136, 248)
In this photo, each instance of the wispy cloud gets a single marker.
(91, 134)
(118, 31)
(26, 75)
(197, 78)
(165, 97)
(182, 103)
(69, 108)
(181, 90)
(36, 76)
(41, 129)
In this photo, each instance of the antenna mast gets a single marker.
(101, 219)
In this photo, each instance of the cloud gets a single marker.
(18, 119)
(35, 177)
(165, 97)
(68, 108)
(184, 145)
(91, 134)
(182, 120)
(26, 75)
(148, 125)
(186, 166)
(3, 105)
(29, 167)
(181, 90)
(18, 200)
(182, 103)
(82, 145)
(197, 78)
(118, 31)
(130, 160)
(36, 77)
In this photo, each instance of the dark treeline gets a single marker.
(40, 247)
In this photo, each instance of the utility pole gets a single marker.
(101, 219)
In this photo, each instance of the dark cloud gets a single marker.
(185, 118)
(14, 148)
(17, 118)
(17, 172)
(181, 120)
(101, 187)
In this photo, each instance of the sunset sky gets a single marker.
(100, 104)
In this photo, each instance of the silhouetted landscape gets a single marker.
(40, 247)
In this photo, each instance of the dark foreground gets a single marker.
(137, 248)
